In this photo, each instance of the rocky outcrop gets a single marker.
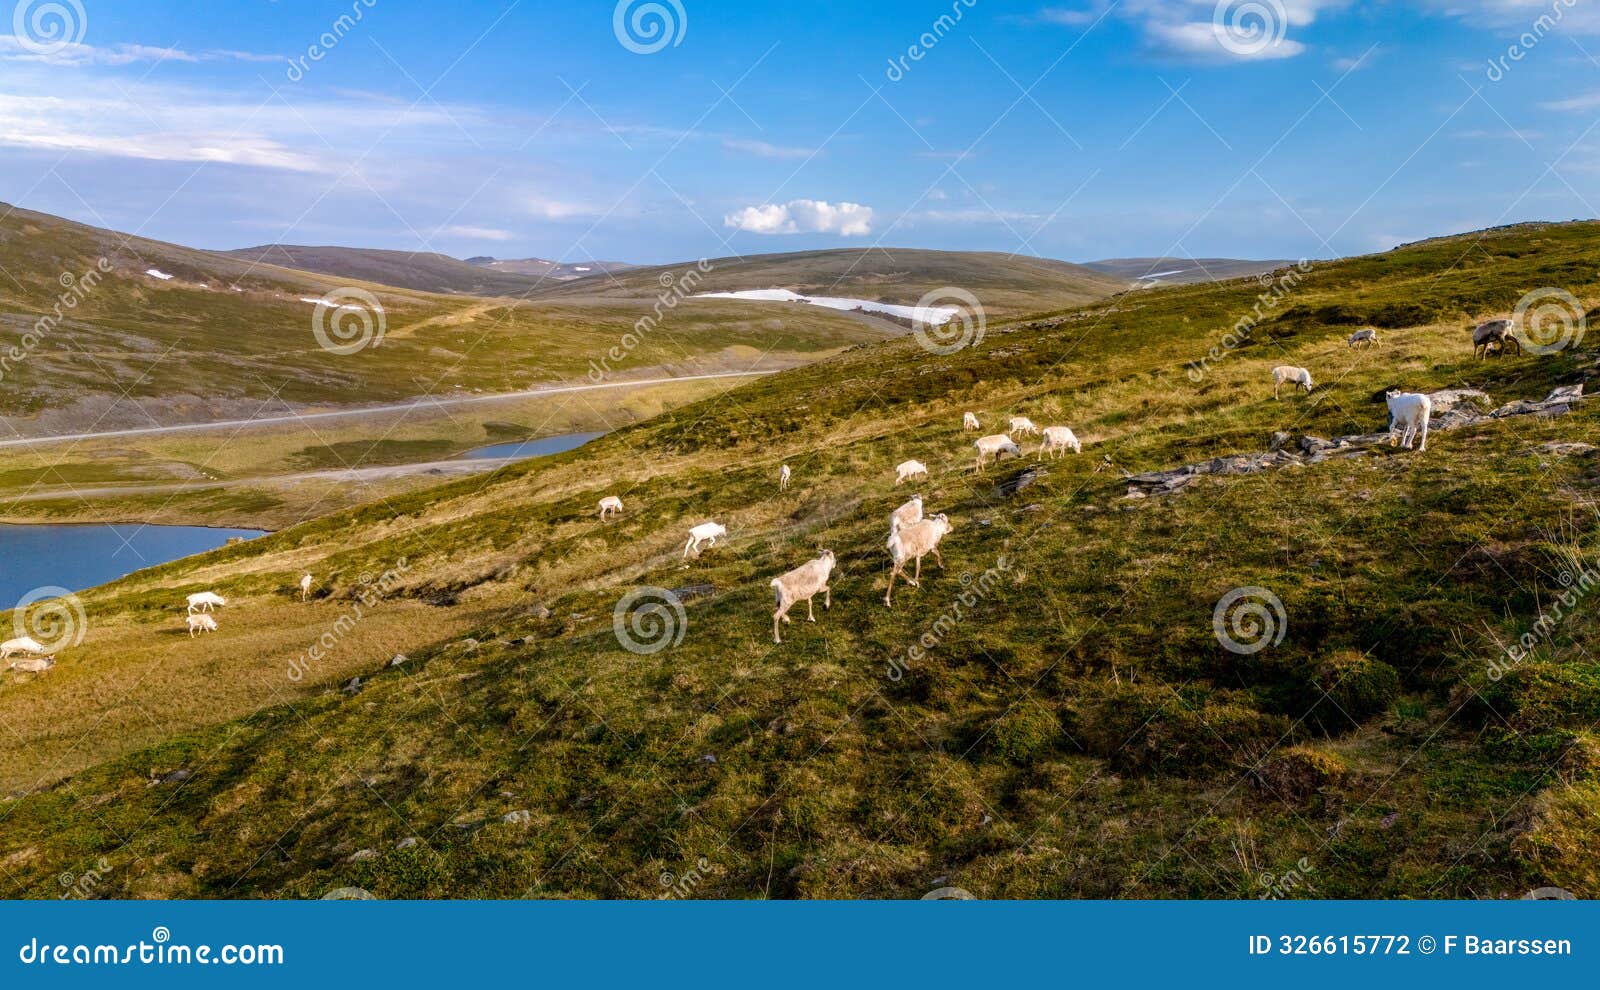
(1452, 409)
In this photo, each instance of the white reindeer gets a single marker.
(906, 515)
(1023, 426)
(969, 421)
(22, 644)
(1288, 373)
(994, 446)
(915, 542)
(783, 477)
(704, 534)
(1057, 439)
(34, 665)
(1368, 337)
(305, 587)
(200, 623)
(910, 469)
(609, 506)
(1408, 413)
(204, 600)
(802, 583)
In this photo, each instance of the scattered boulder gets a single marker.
(396, 660)
(406, 843)
(692, 591)
(363, 854)
(352, 685)
(521, 816)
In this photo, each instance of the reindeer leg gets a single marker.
(811, 615)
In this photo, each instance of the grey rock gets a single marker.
(363, 854)
(406, 843)
(521, 816)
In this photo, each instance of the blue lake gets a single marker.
(78, 557)
(532, 448)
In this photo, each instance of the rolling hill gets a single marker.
(1054, 712)
(423, 271)
(1006, 285)
(173, 334)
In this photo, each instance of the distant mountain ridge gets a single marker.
(557, 271)
(1181, 271)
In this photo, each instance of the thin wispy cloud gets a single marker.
(762, 149)
(13, 49)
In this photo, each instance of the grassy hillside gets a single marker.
(1006, 285)
(421, 270)
(1051, 715)
(225, 338)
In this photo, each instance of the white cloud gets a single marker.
(477, 233)
(1584, 103)
(803, 216)
(1204, 30)
(762, 149)
(13, 49)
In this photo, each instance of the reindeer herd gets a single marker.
(913, 536)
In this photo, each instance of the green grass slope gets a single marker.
(1006, 285)
(1050, 715)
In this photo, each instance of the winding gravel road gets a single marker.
(426, 402)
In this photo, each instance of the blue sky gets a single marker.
(1076, 129)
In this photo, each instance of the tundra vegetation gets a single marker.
(1079, 732)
